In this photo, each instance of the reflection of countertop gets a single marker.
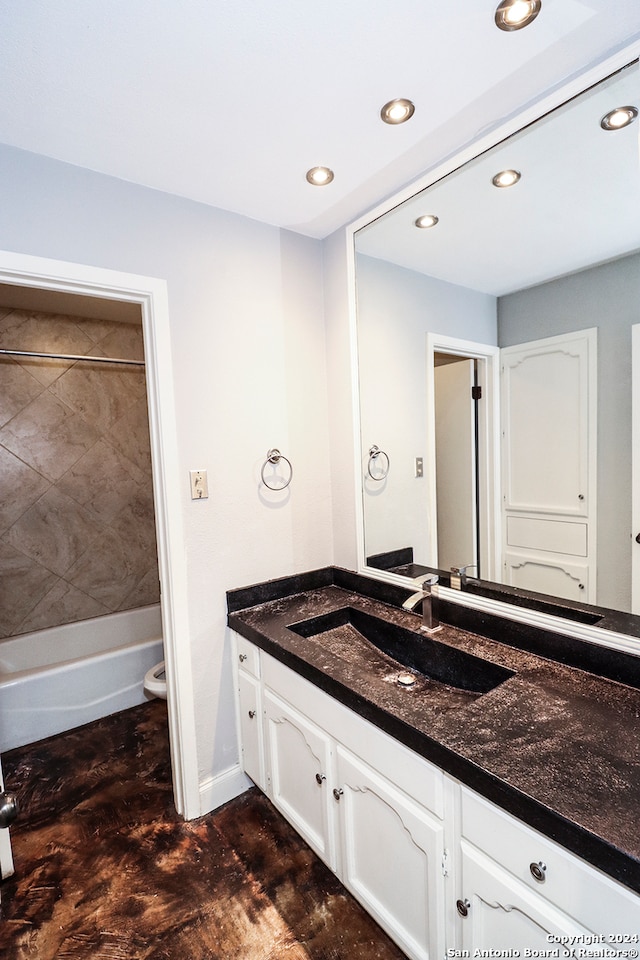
(554, 745)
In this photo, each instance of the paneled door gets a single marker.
(549, 441)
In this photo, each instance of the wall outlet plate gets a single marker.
(419, 467)
(199, 484)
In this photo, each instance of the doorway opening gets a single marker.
(464, 462)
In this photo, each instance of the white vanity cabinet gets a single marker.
(299, 765)
(521, 890)
(249, 709)
(440, 868)
(371, 809)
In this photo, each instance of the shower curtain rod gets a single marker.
(68, 356)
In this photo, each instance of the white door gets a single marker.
(549, 421)
(6, 805)
(456, 463)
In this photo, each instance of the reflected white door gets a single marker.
(6, 858)
(455, 463)
(549, 425)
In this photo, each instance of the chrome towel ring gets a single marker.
(274, 456)
(374, 453)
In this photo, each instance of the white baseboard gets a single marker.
(214, 791)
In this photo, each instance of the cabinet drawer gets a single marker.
(247, 655)
(420, 779)
(598, 903)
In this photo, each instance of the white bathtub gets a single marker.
(56, 679)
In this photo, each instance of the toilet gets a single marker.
(155, 681)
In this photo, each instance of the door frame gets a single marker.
(489, 519)
(152, 297)
(635, 467)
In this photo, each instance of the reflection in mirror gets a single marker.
(496, 351)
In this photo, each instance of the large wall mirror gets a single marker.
(498, 346)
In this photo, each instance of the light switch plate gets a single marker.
(199, 484)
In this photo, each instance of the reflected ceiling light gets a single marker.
(619, 118)
(506, 178)
(428, 220)
(516, 14)
(397, 111)
(319, 176)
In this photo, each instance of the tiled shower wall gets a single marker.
(77, 528)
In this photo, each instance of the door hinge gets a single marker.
(445, 863)
(476, 392)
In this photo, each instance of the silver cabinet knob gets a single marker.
(538, 871)
(8, 808)
(463, 907)
(252, 714)
(337, 792)
(242, 657)
(319, 778)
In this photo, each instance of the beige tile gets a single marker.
(20, 487)
(103, 481)
(101, 394)
(130, 436)
(17, 389)
(48, 436)
(63, 604)
(145, 592)
(108, 574)
(124, 341)
(55, 531)
(24, 584)
(45, 332)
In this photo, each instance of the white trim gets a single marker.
(635, 467)
(151, 294)
(214, 791)
(489, 428)
(547, 103)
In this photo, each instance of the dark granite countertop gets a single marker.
(556, 746)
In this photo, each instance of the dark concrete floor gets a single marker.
(105, 869)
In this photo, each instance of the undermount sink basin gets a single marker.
(419, 653)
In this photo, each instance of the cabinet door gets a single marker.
(503, 914)
(299, 758)
(391, 855)
(251, 736)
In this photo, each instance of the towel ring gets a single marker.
(274, 456)
(374, 453)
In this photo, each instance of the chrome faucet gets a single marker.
(459, 576)
(428, 594)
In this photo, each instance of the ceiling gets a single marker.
(229, 102)
(577, 203)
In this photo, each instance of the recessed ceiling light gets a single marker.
(516, 14)
(428, 220)
(397, 111)
(319, 176)
(618, 118)
(506, 178)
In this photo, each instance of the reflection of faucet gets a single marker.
(459, 576)
(428, 594)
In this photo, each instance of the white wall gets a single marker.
(396, 309)
(249, 368)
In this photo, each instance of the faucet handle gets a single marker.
(426, 580)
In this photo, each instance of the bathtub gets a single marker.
(56, 679)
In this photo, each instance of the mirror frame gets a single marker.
(627, 637)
